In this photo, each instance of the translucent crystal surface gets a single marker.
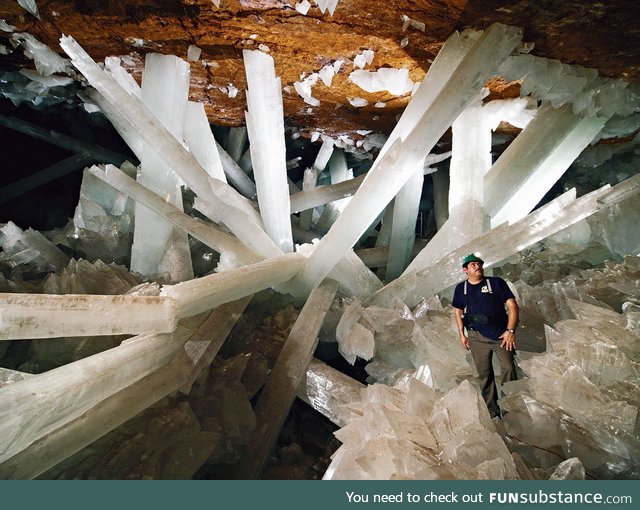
(265, 123)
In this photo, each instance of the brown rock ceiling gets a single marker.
(601, 35)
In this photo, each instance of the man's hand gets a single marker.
(508, 340)
(465, 342)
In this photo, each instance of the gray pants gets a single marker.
(482, 350)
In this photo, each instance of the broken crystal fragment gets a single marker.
(31, 249)
(46, 60)
(358, 102)
(570, 469)
(303, 7)
(193, 53)
(394, 81)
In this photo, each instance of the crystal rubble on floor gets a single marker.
(216, 432)
(610, 288)
(280, 388)
(83, 277)
(29, 251)
(158, 244)
(502, 242)
(233, 253)
(421, 345)
(219, 201)
(408, 153)
(576, 401)
(265, 125)
(618, 229)
(445, 437)
(354, 339)
(570, 469)
(49, 316)
(330, 392)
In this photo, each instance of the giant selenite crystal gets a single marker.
(535, 161)
(393, 168)
(157, 245)
(470, 162)
(501, 242)
(218, 200)
(265, 124)
(70, 436)
(50, 316)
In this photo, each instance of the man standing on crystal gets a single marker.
(479, 304)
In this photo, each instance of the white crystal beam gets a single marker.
(321, 195)
(535, 161)
(100, 154)
(403, 230)
(470, 161)
(141, 121)
(207, 233)
(236, 142)
(199, 138)
(281, 386)
(329, 391)
(165, 89)
(65, 440)
(210, 291)
(237, 175)
(52, 315)
(265, 124)
(41, 177)
(505, 240)
(391, 171)
(339, 172)
(33, 407)
(309, 181)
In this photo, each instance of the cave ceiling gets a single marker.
(401, 33)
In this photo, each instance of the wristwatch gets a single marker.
(511, 331)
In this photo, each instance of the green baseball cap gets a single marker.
(472, 257)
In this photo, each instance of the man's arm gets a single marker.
(463, 338)
(513, 312)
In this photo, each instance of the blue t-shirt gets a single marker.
(484, 305)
